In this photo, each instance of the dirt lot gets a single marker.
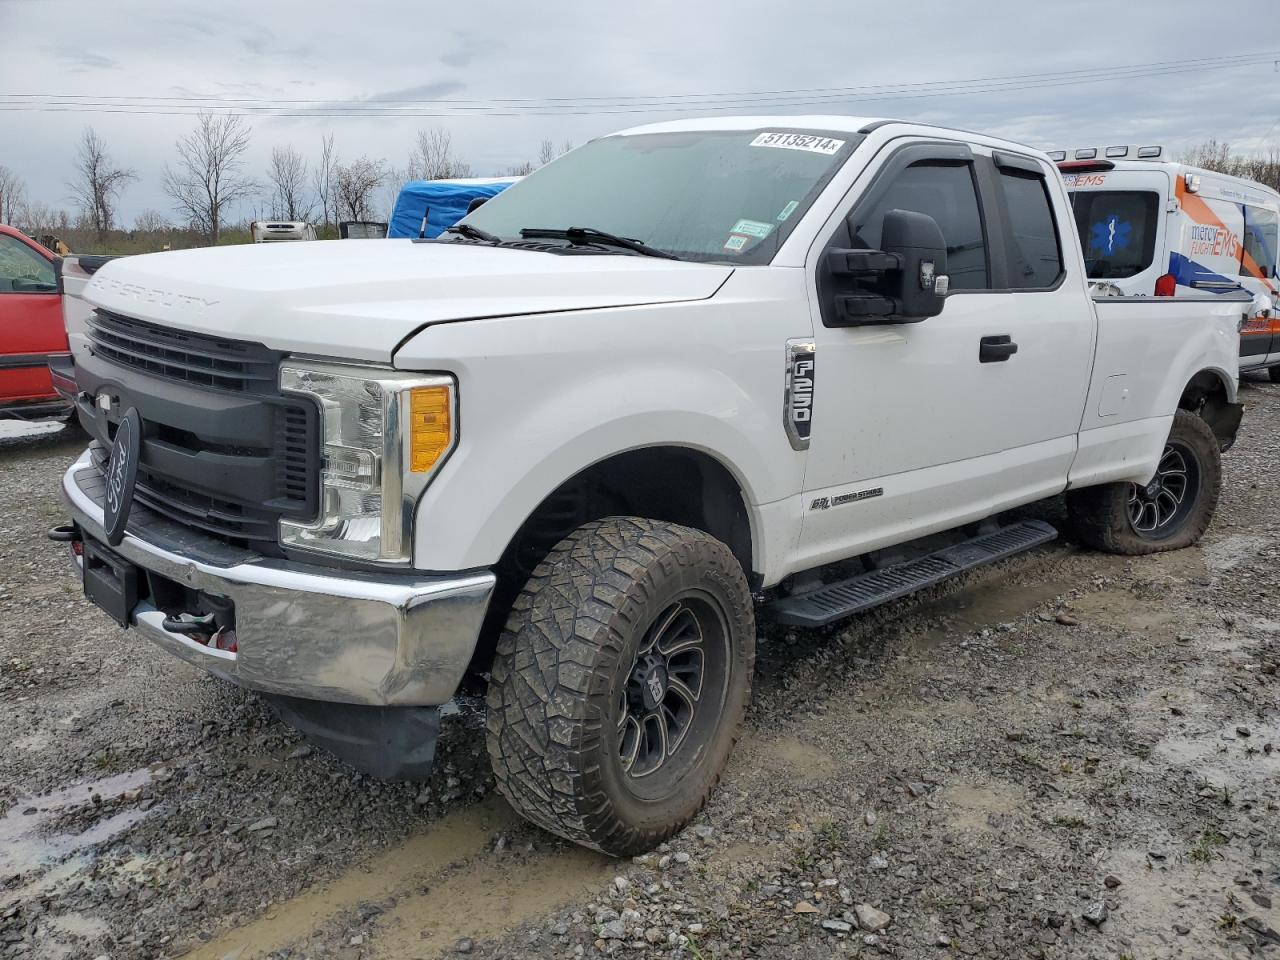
(1070, 756)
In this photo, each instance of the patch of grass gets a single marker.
(1204, 849)
(1030, 758)
(1229, 924)
(802, 857)
(1071, 822)
(829, 833)
(882, 835)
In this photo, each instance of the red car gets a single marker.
(31, 327)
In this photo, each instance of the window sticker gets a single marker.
(753, 228)
(789, 209)
(799, 141)
(736, 243)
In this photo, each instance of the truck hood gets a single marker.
(359, 299)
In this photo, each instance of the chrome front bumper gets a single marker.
(359, 638)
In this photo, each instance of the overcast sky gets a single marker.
(323, 52)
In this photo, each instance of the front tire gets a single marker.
(1170, 512)
(1274, 374)
(620, 683)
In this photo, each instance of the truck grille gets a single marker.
(223, 451)
(178, 355)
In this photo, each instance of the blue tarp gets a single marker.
(445, 202)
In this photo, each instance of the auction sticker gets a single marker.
(798, 141)
(753, 228)
(789, 209)
(735, 243)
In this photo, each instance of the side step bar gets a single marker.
(848, 597)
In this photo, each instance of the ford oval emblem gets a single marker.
(122, 474)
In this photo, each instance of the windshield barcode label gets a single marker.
(798, 141)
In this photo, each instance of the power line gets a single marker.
(1260, 57)
(568, 106)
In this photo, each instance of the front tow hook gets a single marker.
(197, 625)
(64, 533)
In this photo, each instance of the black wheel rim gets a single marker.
(674, 693)
(1159, 509)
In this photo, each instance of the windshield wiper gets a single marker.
(590, 235)
(473, 233)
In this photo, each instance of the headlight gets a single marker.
(383, 435)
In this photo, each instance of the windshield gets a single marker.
(1117, 229)
(728, 196)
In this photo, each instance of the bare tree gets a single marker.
(432, 157)
(354, 186)
(546, 153)
(566, 146)
(12, 191)
(36, 216)
(322, 178)
(288, 173)
(208, 179)
(98, 182)
(152, 221)
(522, 169)
(1259, 167)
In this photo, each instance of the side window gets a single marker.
(1261, 240)
(1034, 256)
(946, 192)
(22, 270)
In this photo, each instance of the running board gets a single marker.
(848, 597)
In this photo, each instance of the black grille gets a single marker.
(229, 519)
(223, 452)
(178, 355)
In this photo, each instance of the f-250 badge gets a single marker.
(797, 406)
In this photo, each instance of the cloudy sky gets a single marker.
(501, 76)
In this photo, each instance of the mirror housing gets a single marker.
(906, 282)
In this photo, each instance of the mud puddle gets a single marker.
(449, 882)
(1228, 757)
(987, 604)
(31, 844)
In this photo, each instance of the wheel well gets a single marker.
(1206, 396)
(675, 484)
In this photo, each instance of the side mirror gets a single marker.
(906, 282)
(476, 203)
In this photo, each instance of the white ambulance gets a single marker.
(1153, 227)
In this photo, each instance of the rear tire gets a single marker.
(1171, 512)
(620, 683)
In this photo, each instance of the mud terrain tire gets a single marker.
(1104, 516)
(581, 660)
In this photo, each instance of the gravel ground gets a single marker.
(1068, 756)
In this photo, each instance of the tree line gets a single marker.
(208, 180)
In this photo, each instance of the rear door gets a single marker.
(30, 321)
(915, 427)
(1120, 216)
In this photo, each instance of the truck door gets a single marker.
(30, 322)
(918, 427)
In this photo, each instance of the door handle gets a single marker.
(996, 349)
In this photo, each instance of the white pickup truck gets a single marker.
(687, 376)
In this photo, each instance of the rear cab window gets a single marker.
(1032, 246)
